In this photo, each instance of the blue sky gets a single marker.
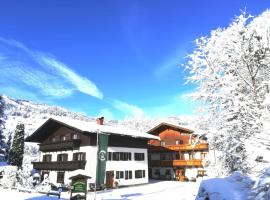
(116, 58)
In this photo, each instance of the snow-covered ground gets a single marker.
(155, 190)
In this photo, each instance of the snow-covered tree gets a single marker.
(2, 125)
(231, 68)
(17, 149)
(8, 146)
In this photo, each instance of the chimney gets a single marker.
(100, 120)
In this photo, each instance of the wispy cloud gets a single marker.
(126, 108)
(41, 72)
(171, 62)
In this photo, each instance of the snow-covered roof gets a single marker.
(93, 127)
(164, 125)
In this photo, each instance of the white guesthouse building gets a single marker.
(68, 145)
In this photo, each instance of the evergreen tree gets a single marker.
(8, 146)
(17, 148)
(2, 125)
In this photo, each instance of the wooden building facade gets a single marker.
(178, 155)
(69, 145)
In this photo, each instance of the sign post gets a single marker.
(79, 187)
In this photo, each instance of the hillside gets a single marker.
(33, 114)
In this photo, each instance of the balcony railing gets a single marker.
(179, 147)
(60, 145)
(175, 163)
(60, 166)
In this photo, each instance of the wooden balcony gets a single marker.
(175, 163)
(178, 147)
(60, 145)
(59, 166)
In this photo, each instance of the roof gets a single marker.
(79, 173)
(164, 125)
(53, 124)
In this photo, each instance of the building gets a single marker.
(178, 155)
(69, 145)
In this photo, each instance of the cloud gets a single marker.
(171, 62)
(42, 72)
(129, 109)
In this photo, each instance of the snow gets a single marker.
(156, 190)
(234, 187)
(96, 128)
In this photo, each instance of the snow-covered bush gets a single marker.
(9, 177)
(261, 190)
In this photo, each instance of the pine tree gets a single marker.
(2, 125)
(17, 148)
(8, 146)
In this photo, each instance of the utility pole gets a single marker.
(98, 131)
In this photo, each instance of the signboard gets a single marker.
(78, 187)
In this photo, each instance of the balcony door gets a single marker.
(62, 157)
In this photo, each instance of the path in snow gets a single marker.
(162, 190)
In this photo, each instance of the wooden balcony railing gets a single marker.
(59, 166)
(179, 147)
(60, 145)
(175, 163)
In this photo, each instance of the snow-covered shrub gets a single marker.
(9, 177)
(261, 190)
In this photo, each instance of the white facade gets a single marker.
(91, 160)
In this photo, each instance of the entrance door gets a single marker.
(109, 179)
(180, 174)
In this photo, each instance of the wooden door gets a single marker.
(109, 179)
(180, 173)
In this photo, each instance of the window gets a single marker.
(75, 136)
(139, 173)
(119, 175)
(201, 173)
(203, 155)
(60, 177)
(79, 156)
(162, 156)
(123, 156)
(191, 156)
(168, 172)
(182, 156)
(139, 156)
(62, 157)
(53, 139)
(157, 172)
(128, 174)
(109, 156)
(63, 138)
(47, 158)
